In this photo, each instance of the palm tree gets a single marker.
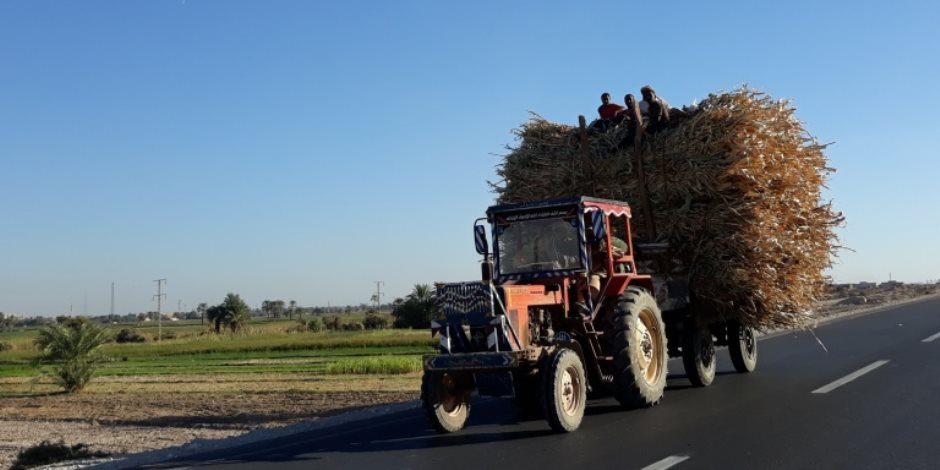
(73, 350)
(238, 312)
(216, 314)
(421, 293)
(418, 308)
(232, 312)
(293, 305)
(201, 308)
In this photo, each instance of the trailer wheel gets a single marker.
(639, 350)
(698, 355)
(446, 400)
(742, 346)
(564, 386)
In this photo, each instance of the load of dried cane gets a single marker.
(734, 186)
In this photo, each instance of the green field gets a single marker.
(267, 347)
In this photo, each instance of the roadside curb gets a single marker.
(199, 446)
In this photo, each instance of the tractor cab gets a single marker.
(566, 244)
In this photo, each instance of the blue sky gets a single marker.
(302, 150)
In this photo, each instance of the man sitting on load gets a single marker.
(655, 109)
(608, 110)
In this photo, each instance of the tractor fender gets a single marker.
(645, 282)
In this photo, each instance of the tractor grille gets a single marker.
(466, 298)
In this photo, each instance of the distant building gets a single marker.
(865, 285)
(891, 284)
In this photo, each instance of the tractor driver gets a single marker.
(598, 269)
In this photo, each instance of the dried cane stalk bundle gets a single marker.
(735, 188)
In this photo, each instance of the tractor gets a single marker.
(568, 305)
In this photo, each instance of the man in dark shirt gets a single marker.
(608, 110)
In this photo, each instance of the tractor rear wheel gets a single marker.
(639, 349)
(564, 386)
(446, 400)
(698, 356)
(742, 346)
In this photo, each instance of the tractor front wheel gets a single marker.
(565, 390)
(698, 355)
(639, 348)
(445, 397)
(742, 346)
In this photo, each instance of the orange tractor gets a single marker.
(566, 306)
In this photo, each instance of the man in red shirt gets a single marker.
(608, 110)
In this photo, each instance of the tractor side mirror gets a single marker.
(479, 237)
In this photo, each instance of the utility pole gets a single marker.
(160, 296)
(378, 294)
(111, 318)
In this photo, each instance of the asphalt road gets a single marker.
(792, 412)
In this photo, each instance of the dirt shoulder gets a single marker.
(127, 423)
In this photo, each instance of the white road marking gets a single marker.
(930, 338)
(848, 378)
(667, 462)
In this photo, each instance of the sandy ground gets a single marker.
(120, 423)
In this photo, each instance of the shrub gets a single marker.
(6, 346)
(128, 335)
(332, 323)
(375, 321)
(353, 326)
(46, 453)
(315, 324)
(73, 352)
(168, 335)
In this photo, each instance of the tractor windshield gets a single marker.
(538, 245)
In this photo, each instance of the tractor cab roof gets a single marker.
(585, 203)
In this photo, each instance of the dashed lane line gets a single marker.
(667, 462)
(848, 378)
(930, 338)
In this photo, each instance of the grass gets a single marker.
(274, 342)
(375, 365)
(238, 362)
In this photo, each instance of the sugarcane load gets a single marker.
(652, 232)
(732, 184)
